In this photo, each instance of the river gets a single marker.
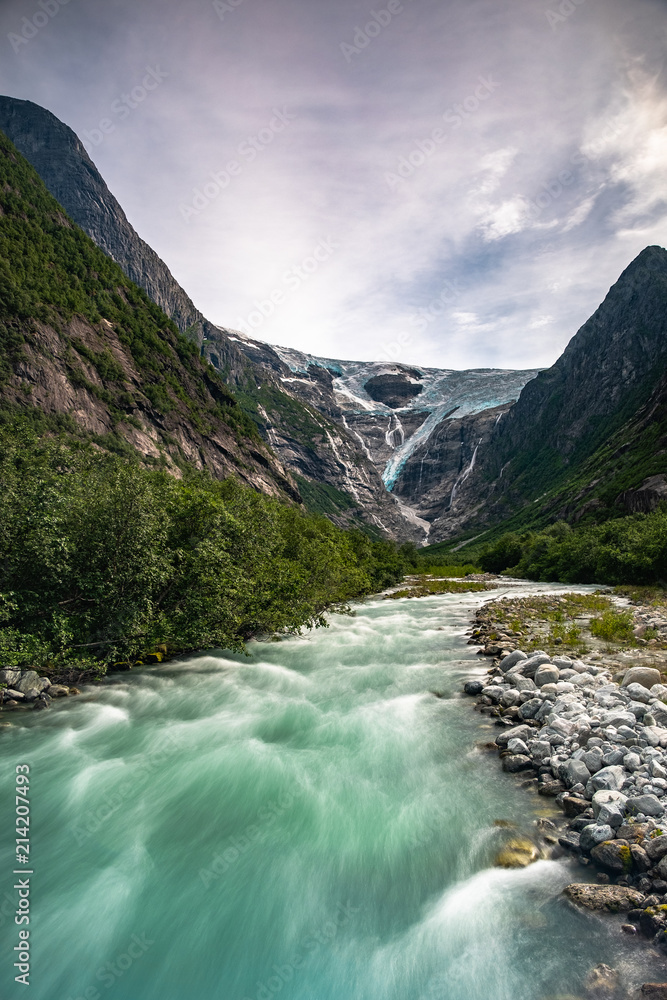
(307, 822)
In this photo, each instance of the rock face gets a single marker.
(609, 381)
(613, 898)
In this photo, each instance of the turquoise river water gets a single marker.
(308, 822)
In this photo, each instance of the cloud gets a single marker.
(516, 206)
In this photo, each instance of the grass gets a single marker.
(614, 626)
(426, 588)
(449, 570)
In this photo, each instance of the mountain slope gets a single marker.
(85, 349)
(595, 417)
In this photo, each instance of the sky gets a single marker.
(447, 183)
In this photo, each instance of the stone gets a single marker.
(492, 650)
(655, 991)
(513, 763)
(15, 695)
(58, 691)
(646, 676)
(659, 691)
(529, 709)
(594, 834)
(10, 677)
(640, 859)
(649, 805)
(512, 659)
(662, 868)
(546, 674)
(551, 788)
(638, 692)
(574, 805)
(510, 698)
(593, 759)
(574, 772)
(517, 853)
(31, 684)
(656, 848)
(517, 746)
(613, 898)
(614, 855)
(529, 666)
(570, 841)
(520, 732)
(608, 778)
(473, 688)
(520, 683)
(632, 762)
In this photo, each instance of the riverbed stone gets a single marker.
(10, 676)
(529, 666)
(595, 834)
(613, 855)
(519, 852)
(530, 708)
(513, 763)
(646, 676)
(31, 684)
(519, 732)
(654, 991)
(574, 805)
(639, 693)
(546, 674)
(574, 772)
(613, 898)
(656, 848)
(608, 778)
(512, 659)
(649, 805)
(473, 687)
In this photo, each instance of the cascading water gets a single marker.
(308, 822)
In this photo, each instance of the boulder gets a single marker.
(546, 674)
(609, 808)
(574, 772)
(517, 853)
(638, 692)
(473, 687)
(518, 732)
(517, 746)
(655, 991)
(613, 898)
(529, 666)
(657, 848)
(512, 659)
(10, 677)
(593, 759)
(529, 709)
(607, 779)
(594, 834)
(662, 868)
(513, 763)
(614, 856)
(574, 805)
(646, 676)
(520, 683)
(31, 684)
(649, 805)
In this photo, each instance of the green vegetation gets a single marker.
(613, 626)
(50, 272)
(426, 588)
(114, 559)
(321, 498)
(627, 550)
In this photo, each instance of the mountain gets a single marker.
(82, 349)
(349, 432)
(588, 431)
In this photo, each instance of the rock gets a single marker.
(529, 666)
(473, 688)
(593, 835)
(529, 709)
(570, 841)
(546, 674)
(640, 859)
(593, 759)
(58, 691)
(551, 788)
(602, 981)
(614, 855)
(659, 691)
(646, 676)
(574, 805)
(638, 693)
(518, 732)
(520, 683)
(15, 695)
(608, 778)
(574, 772)
(613, 898)
(513, 763)
(662, 867)
(656, 848)
(492, 650)
(512, 659)
(31, 684)
(655, 991)
(517, 853)
(10, 677)
(517, 746)
(649, 805)
(510, 698)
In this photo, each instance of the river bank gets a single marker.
(587, 729)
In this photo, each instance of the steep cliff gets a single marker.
(83, 349)
(588, 428)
